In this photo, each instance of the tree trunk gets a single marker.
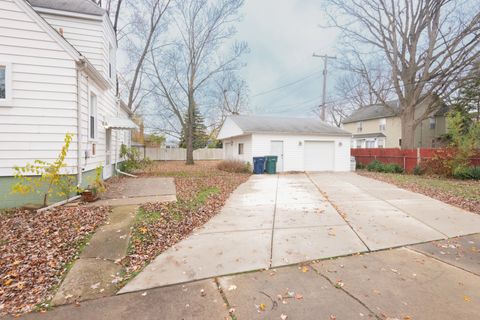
(189, 132)
(408, 128)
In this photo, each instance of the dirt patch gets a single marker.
(202, 190)
(36, 250)
(459, 193)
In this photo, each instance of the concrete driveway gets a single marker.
(272, 221)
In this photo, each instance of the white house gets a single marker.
(57, 75)
(301, 144)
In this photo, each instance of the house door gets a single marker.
(276, 149)
(108, 168)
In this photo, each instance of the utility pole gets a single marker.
(325, 64)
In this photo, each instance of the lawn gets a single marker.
(460, 193)
(202, 190)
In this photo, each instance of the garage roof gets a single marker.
(77, 6)
(264, 124)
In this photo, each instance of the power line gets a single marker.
(287, 84)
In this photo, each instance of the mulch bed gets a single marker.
(36, 250)
(175, 221)
(465, 203)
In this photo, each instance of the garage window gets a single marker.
(240, 148)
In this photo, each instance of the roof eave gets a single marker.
(301, 133)
(68, 13)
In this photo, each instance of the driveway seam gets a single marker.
(273, 223)
(439, 260)
(347, 293)
(335, 207)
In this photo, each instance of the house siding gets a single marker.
(230, 147)
(43, 106)
(44, 90)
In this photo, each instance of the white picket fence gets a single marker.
(179, 154)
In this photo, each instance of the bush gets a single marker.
(465, 173)
(235, 166)
(418, 170)
(132, 160)
(377, 166)
(360, 166)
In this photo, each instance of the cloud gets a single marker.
(282, 36)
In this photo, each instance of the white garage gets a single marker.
(301, 144)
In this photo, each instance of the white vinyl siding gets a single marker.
(42, 108)
(44, 91)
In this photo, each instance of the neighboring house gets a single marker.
(301, 144)
(57, 68)
(378, 126)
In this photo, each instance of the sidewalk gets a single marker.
(442, 284)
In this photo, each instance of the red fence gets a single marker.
(407, 159)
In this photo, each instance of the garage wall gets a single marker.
(293, 159)
(230, 149)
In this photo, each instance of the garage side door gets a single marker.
(319, 155)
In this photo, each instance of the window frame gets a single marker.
(8, 84)
(432, 123)
(359, 126)
(382, 124)
(94, 92)
(241, 149)
(111, 62)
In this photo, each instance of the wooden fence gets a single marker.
(179, 154)
(407, 159)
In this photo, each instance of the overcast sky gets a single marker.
(282, 36)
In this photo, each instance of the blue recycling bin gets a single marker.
(258, 165)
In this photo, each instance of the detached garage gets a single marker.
(301, 144)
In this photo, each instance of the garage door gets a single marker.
(319, 155)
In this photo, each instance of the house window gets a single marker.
(240, 148)
(381, 143)
(359, 126)
(93, 116)
(370, 144)
(382, 124)
(432, 123)
(5, 83)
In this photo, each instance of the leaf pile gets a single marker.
(201, 192)
(36, 249)
(462, 194)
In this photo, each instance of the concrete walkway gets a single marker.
(437, 280)
(272, 221)
(95, 273)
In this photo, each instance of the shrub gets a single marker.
(377, 166)
(235, 166)
(44, 177)
(132, 160)
(360, 166)
(465, 173)
(418, 170)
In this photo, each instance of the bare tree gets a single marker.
(183, 72)
(146, 23)
(428, 45)
(230, 97)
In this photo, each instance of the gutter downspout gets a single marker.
(80, 70)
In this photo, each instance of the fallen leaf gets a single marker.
(339, 284)
(144, 294)
(262, 307)
(467, 298)
(232, 287)
(283, 316)
(305, 269)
